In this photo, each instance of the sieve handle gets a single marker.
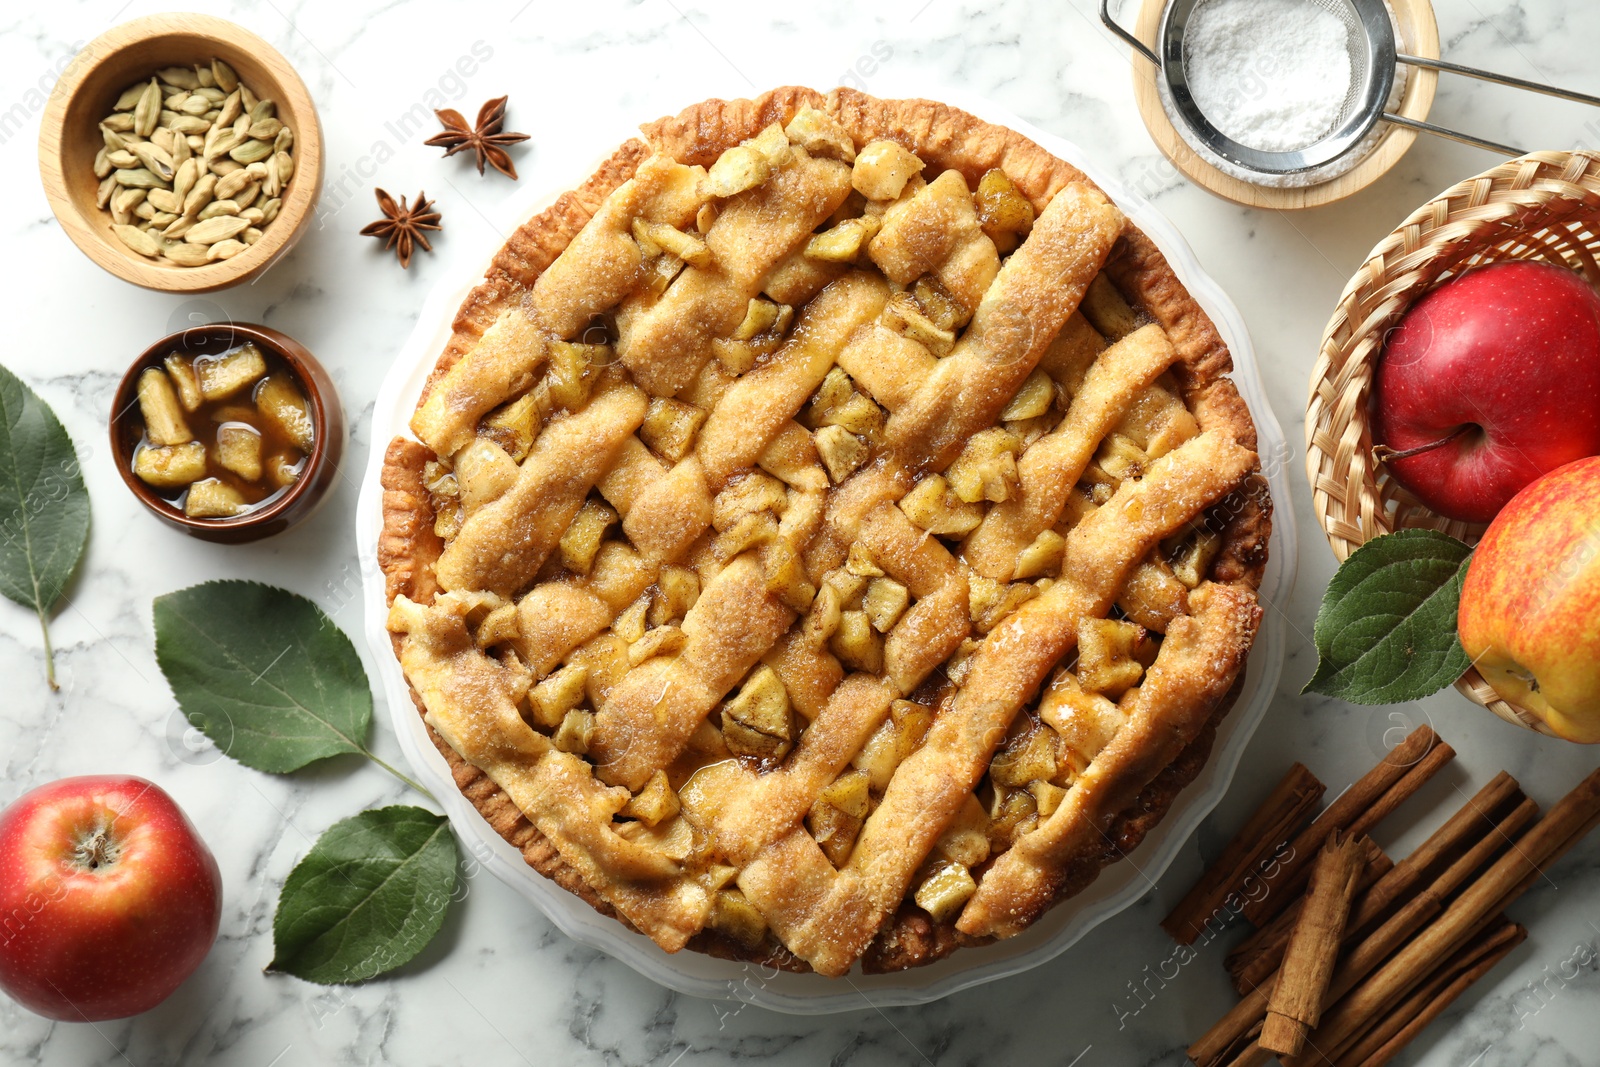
(1134, 42)
(1446, 132)
(1499, 79)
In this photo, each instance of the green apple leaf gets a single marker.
(263, 673)
(370, 895)
(44, 506)
(1386, 631)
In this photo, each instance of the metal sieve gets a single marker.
(1369, 38)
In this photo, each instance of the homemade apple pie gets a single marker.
(830, 534)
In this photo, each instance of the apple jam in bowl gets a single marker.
(228, 432)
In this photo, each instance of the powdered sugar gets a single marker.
(1271, 74)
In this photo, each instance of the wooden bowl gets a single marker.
(1419, 36)
(1542, 206)
(322, 465)
(69, 138)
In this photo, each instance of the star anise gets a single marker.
(486, 139)
(403, 226)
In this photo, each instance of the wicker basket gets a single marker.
(1545, 206)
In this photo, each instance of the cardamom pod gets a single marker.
(183, 180)
(189, 126)
(218, 209)
(185, 254)
(129, 98)
(148, 111)
(225, 250)
(164, 200)
(216, 229)
(179, 77)
(234, 182)
(231, 108)
(155, 160)
(251, 151)
(138, 178)
(199, 196)
(140, 241)
(123, 203)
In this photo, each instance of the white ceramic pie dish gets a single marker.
(1117, 887)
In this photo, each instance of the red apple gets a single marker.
(1530, 605)
(108, 898)
(1491, 379)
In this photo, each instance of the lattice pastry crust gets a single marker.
(830, 534)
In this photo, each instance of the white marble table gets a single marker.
(501, 985)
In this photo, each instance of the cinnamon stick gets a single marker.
(1407, 766)
(1296, 1003)
(1231, 1040)
(1259, 955)
(1397, 794)
(1397, 1029)
(1506, 879)
(1278, 818)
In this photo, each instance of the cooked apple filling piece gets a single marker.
(945, 890)
(1194, 557)
(655, 803)
(1106, 662)
(808, 532)
(757, 722)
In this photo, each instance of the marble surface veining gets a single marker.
(500, 984)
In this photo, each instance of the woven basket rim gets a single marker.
(1543, 205)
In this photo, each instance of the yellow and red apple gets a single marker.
(1530, 605)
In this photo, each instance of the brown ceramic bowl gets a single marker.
(69, 138)
(322, 465)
